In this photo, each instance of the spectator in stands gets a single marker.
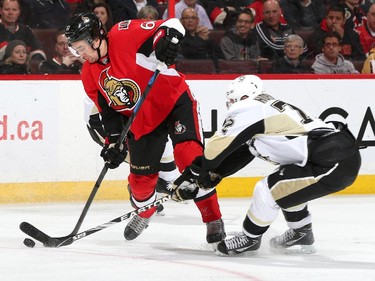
(148, 13)
(367, 31)
(64, 62)
(331, 61)
(330, 3)
(365, 5)
(257, 8)
(303, 14)
(104, 13)
(351, 47)
(11, 29)
(223, 13)
(183, 4)
(291, 62)
(47, 14)
(271, 33)
(196, 44)
(238, 42)
(86, 6)
(16, 59)
(355, 16)
(130, 8)
(369, 64)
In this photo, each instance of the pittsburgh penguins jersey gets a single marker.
(273, 130)
(122, 76)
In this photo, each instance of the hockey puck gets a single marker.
(29, 242)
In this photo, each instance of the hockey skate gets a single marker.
(215, 231)
(160, 210)
(135, 227)
(162, 188)
(237, 245)
(302, 237)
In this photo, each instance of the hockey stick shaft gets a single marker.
(90, 199)
(56, 242)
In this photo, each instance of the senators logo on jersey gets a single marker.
(122, 94)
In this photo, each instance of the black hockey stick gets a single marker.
(98, 182)
(56, 242)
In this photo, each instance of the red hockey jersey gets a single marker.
(124, 78)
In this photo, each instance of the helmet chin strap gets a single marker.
(98, 49)
(98, 52)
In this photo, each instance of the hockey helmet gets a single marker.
(84, 26)
(246, 86)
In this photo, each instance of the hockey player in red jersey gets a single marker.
(116, 72)
(314, 159)
(168, 170)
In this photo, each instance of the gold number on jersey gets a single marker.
(280, 106)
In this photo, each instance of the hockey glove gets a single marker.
(184, 187)
(166, 44)
(203, 178)
(112, 154)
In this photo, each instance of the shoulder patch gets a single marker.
(124, 24)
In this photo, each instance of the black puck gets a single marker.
(29, 242)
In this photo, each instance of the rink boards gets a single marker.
(48, 155)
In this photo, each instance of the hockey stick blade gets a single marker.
(39, 235)
(56, 242)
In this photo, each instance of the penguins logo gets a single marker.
(123, 94)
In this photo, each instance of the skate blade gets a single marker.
(233, 254)
(295, 250)
(160, 214)
(213, 245)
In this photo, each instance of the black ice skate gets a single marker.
(237, 245)
(302, 237)
(162, 188)
(215, 231)
(135, 227)
(160, 210)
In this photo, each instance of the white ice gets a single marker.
(173, 247)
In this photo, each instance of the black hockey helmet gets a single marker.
(84, 26)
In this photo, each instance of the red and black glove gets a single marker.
(113, 154)
(166, 44)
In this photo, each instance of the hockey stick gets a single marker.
(105, 168)
(56, 242)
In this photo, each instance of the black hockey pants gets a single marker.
(334, 162)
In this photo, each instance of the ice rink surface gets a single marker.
(173, 247)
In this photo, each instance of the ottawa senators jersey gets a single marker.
(122, 77)
(274, 130)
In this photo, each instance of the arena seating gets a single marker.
(189, 66)
(304, 33)
(237, 66)
(161, 8)
(358, 64)
(265, 66)
(215, 35)
(47, 38)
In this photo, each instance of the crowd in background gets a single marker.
(277, 36)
